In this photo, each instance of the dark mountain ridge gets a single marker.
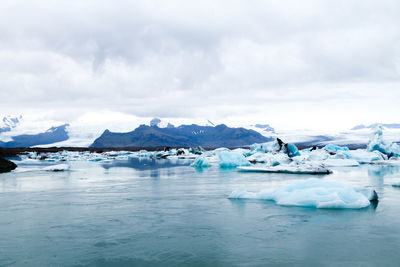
(182, 136)
(52, 135)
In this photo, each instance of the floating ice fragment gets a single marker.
(268, 147)
(57, 168)
(201, 162)
(230, 159)
(289, 168)
(310, 193)
(333, 148)
(378, 144)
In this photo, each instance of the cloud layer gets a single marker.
(308, 63)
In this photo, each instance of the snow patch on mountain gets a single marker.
(9, 122)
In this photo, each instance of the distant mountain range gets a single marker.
(182, 136)
(52, 135)
(159, 133)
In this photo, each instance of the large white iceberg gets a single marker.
(378, 144)
(311, 193)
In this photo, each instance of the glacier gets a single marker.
(313, 193)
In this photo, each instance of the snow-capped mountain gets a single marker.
(264, 129)
(161, 123)
(9, 122)
(52, 135)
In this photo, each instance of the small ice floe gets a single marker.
(341, 163)
(288, 168)
(313, 193)
(57, 168)
(201, 162)
(396, 185)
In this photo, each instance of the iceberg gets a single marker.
(378, 144)
(276, 146)
(305, 168)
(57, 168)
(144, 154)
(334, 149)
(230, 159)
(201, 162)
(317, 155)
(310, 193)
(292, 150)
(268, 147)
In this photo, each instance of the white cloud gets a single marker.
(309, 63)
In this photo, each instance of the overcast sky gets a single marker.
(313, 64)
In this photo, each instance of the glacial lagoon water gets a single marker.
(161, 213)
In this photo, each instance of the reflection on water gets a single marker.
(381, 171)
(159, 213)
(147, 163)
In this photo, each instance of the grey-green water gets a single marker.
(135, 213)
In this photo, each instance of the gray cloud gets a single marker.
(233, 60)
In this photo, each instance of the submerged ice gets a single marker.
(314, 193)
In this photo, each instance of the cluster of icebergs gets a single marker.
(277, 156)
(109, 156)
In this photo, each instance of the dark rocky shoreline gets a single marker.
(6, 165)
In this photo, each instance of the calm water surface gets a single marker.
(160, 213)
